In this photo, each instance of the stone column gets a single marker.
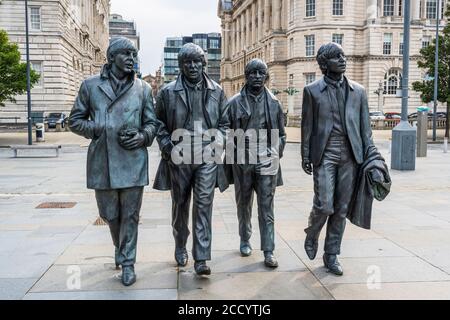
(237, 35)
(267, 16)
(254, 29)
(248, 33)
(243, 34)
(226, 43)
(260, 20)
(276, 14)
(372, 9)
(415, 6)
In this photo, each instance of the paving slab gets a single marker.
(252, 286)
(150, 294)
(15, 289)
(392, 291)
(104, 277)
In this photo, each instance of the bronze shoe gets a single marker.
(181, 256)
(128, 275)
(269, 260)
(332, 264)
(245, 248)
(311, 246)
(201, 268)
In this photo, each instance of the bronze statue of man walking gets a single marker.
(115, 110)
(336, 136)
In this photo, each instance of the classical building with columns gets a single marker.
(288, 33)
(68, 42)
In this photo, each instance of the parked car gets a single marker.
(377, 115)
(441, 115)
(393, 115)
(54, 118)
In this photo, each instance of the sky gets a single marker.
(158, 19)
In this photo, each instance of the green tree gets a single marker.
(13, 73)
(426, 62)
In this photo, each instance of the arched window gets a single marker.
(392, 81)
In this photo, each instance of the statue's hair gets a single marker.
(116, 44)
(254, 64)
(191, 50)
(326, 52)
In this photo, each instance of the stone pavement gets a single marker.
(44, 252)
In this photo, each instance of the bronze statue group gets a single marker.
(117, 112)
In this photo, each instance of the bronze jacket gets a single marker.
(172, 111)
(317, 120)
(240, 113)
(99, 114)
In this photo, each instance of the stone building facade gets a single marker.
(288, 33)
(68, 42)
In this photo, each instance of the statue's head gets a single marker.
(192, 61)
(331, 59)
(122, 53)
(256, 74)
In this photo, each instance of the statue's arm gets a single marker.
(282, 130)
(163, 136)
(79, 119)
(307, 124)
(224, 120)
(150, 123)
(366, 129)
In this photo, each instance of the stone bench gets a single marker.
(17, 148)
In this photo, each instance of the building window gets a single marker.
(338, 7)
(400, 47)
(291, 10)
(309, 78)
(310, 8)
(310, 43)
(432, 8)
(35, 18)
(214, 44)
(37, 67)
(338, 38)
(291, 47)
(387, 43)
(203, 43)
(388, 8)
(426, 40)
(400, 7)
(392, 81)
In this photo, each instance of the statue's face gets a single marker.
(192, 67)
(124, 60)
(337, 64)
(256, 78)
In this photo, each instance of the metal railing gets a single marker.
(389, 124)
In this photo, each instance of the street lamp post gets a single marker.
(404, 135)
(436, 69)
(30, 133)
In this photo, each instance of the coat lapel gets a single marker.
(179, 89)
(245, 108)
(106, 88)
(209, 104)
(349, 103)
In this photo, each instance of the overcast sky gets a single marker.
(158, 19)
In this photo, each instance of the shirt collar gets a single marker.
(334, 83)
(197, 86)
(256, 98)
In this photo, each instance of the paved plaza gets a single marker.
(61, 254)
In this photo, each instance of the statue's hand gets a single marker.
(133, 142)
(307, 166)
